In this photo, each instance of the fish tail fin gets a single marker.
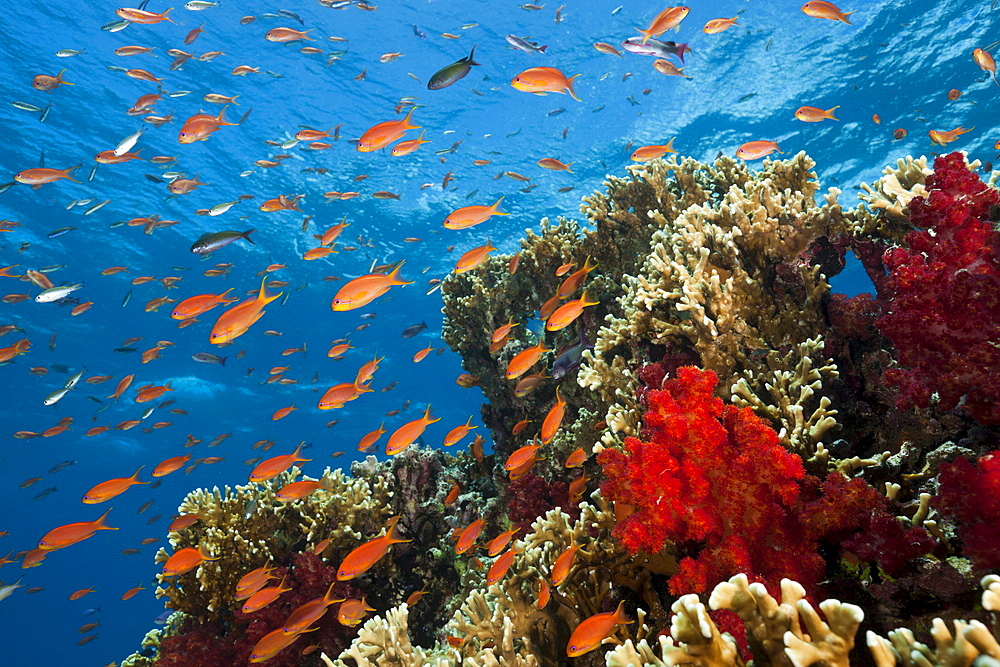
(541, 49)
(646, 34)
(69, 171)
(205, 554)
(101, 524)
(246, 235)
(569, 88)
(305, 35)
(393, 532)
(394, 278)
(298, 450)
(62, 80)
(471, 58)
(328, 599)
(222, 297)
(843, 17)
(427, 415)
(829, 113)
(494, 208)
(222, 361)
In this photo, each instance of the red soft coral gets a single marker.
(713, 479)
(943, 296)
(970, 494)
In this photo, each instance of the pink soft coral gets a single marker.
(970, 494)
(942, 296)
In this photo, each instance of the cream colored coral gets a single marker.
(384, 641)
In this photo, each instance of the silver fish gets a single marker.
(83, 202)
(148, 413)
(290, 15)
(51, 269)
(128, 143)
(45, 113)
(56, 233)
(209, 358)
(179, 93)
(199, 5)
(654, 47)
(55, 396)
(114, 26)
(75, 378)
(291, 143)
(522, 44)
(116, 68)
(128, 297)
(97, 207)
(71, 204)
(7, 186)
(219, 209)
(66, 53)
(24, 106)
(5, 591)
(93, 172)
(56, 293)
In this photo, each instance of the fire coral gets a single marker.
(713, 479)
(943, 296)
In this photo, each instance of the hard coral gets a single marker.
(943, 294)
(712, 475)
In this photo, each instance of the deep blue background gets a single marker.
(898, 60)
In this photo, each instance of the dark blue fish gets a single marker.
(569, 358)
(413, 330)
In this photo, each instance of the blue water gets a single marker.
(898, 60)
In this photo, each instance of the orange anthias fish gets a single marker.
(453, 493)
(754, 150)
(362, 558)
(594, 630)
(253, 580)
(339, 394)
(524, 360)
(310, 612)
(567, 313)
(200, 126)
(109, 157)
(825, 10)
(469, 216)
(39, 176)
(381, 135)
(407, 147)
(48, 83)
(170, 465)
(362, 290)
(142, 16)
(456, 434)
(718, 25)
(543, 80)
(986, 63)
(521, 456)
(500, 542)
(651, 152)
(500, 566)
(576, 458)
(111, 488)
(301, 489)
(202, 303)
(553, 419)
(473, 258)
(575, 279)
(271, 645)
(352, 612)
(555, 165)
(404, 436)
(274, 466)
(71, 533)
(815, 114)
(467, 538)
(942, 138)
(288, 35)
(264, 597)
(186, 560)
(669, 18)
(237, 320)
(561, 568)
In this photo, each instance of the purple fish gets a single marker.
(654, 47)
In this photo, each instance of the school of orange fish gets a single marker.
(557, 313)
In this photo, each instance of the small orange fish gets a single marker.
(76, 595)
(339, 394)
(301, 489)
(282, 35)
(255, 579)
(986, 63)
(456, 434)
(200, 127)
(109, 157)
(500, 542)
(521, 457)
(561, 568)
(123, 385)
(566, 314)
(577, 488)
(595, 629)
(71, 533)
(237, 320)
(468, 536)
(185, 560)
(422, 354)
(406, 434)
(407, 147)
(651, 152)
(196, 305)
(473, 258)
(825, 10)
(669, 18)
(604, 47)
(754, 150)
(498, 570)
(271, 645)
(469, 216)
(331, 234)
(274, 466)
(151, 392)
(554, 165)
(362, 558)
(362, 290)
(452, 496)
(543, 80)
(309, 612)
(142, 16)
(525, 359)
(48, 83)
(381, 135)
(183, 521)
(576, 458)
(352, 612)
(170, 465)
(667, 68)
(39, 176)
(553, 419)
(264, 597)
(544, 594)
(941, 138)
(368, 440)
(111, 488)
(815, 114)
(718, 25)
